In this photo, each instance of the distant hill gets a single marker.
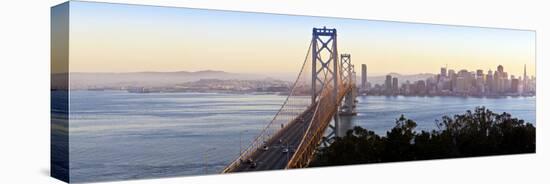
(150, 79)
(81, 80)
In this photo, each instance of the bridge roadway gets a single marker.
(274, 158)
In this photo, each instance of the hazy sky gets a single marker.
(129, 38)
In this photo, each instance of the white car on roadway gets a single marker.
(285, 150)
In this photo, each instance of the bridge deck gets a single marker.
(274, 158)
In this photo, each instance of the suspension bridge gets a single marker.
(309, 117)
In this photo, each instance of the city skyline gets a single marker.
(452, 82)
(472, 69)
(126, 38)
(369, 73)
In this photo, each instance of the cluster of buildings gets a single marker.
(234, 85)
(219, 85)
(456, 83)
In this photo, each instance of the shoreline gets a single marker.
(286, 93)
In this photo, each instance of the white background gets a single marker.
(24, 90)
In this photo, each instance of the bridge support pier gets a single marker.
(349, 105)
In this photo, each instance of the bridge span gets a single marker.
(324, 89)
(280, 148)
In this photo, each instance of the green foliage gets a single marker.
(478, 133)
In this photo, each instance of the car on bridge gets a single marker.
(285, 150)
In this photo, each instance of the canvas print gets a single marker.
(148, 91)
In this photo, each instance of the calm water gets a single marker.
(378, 113)
(118, 135)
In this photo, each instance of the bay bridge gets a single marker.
(309, 117)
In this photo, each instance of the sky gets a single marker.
(131, 38)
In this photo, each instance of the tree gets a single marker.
(478, 133)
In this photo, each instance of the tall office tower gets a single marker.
(395, 85)
(387, 83)
(451, 72)
(489, 81)
(501, 79)
(500, 69)
(479, 74)
(463, 81)
(452, 76)
(461, 84)
(363, 76)
(506, 82)
(443, 72)
(525, 87)
(515, 85)
(497, 77)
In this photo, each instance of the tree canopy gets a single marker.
(478, 133)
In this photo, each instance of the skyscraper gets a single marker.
(490, 82)
(479, 74)
(499, 79)
(387, 83)
(395, 85)
(463, 81)
(363, 76)
(443, 72)
(452, 76)
(514, 85)
(506, 85)
(524, 85)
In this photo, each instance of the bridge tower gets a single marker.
(324, 61)
(348, 76)
(325, 67)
